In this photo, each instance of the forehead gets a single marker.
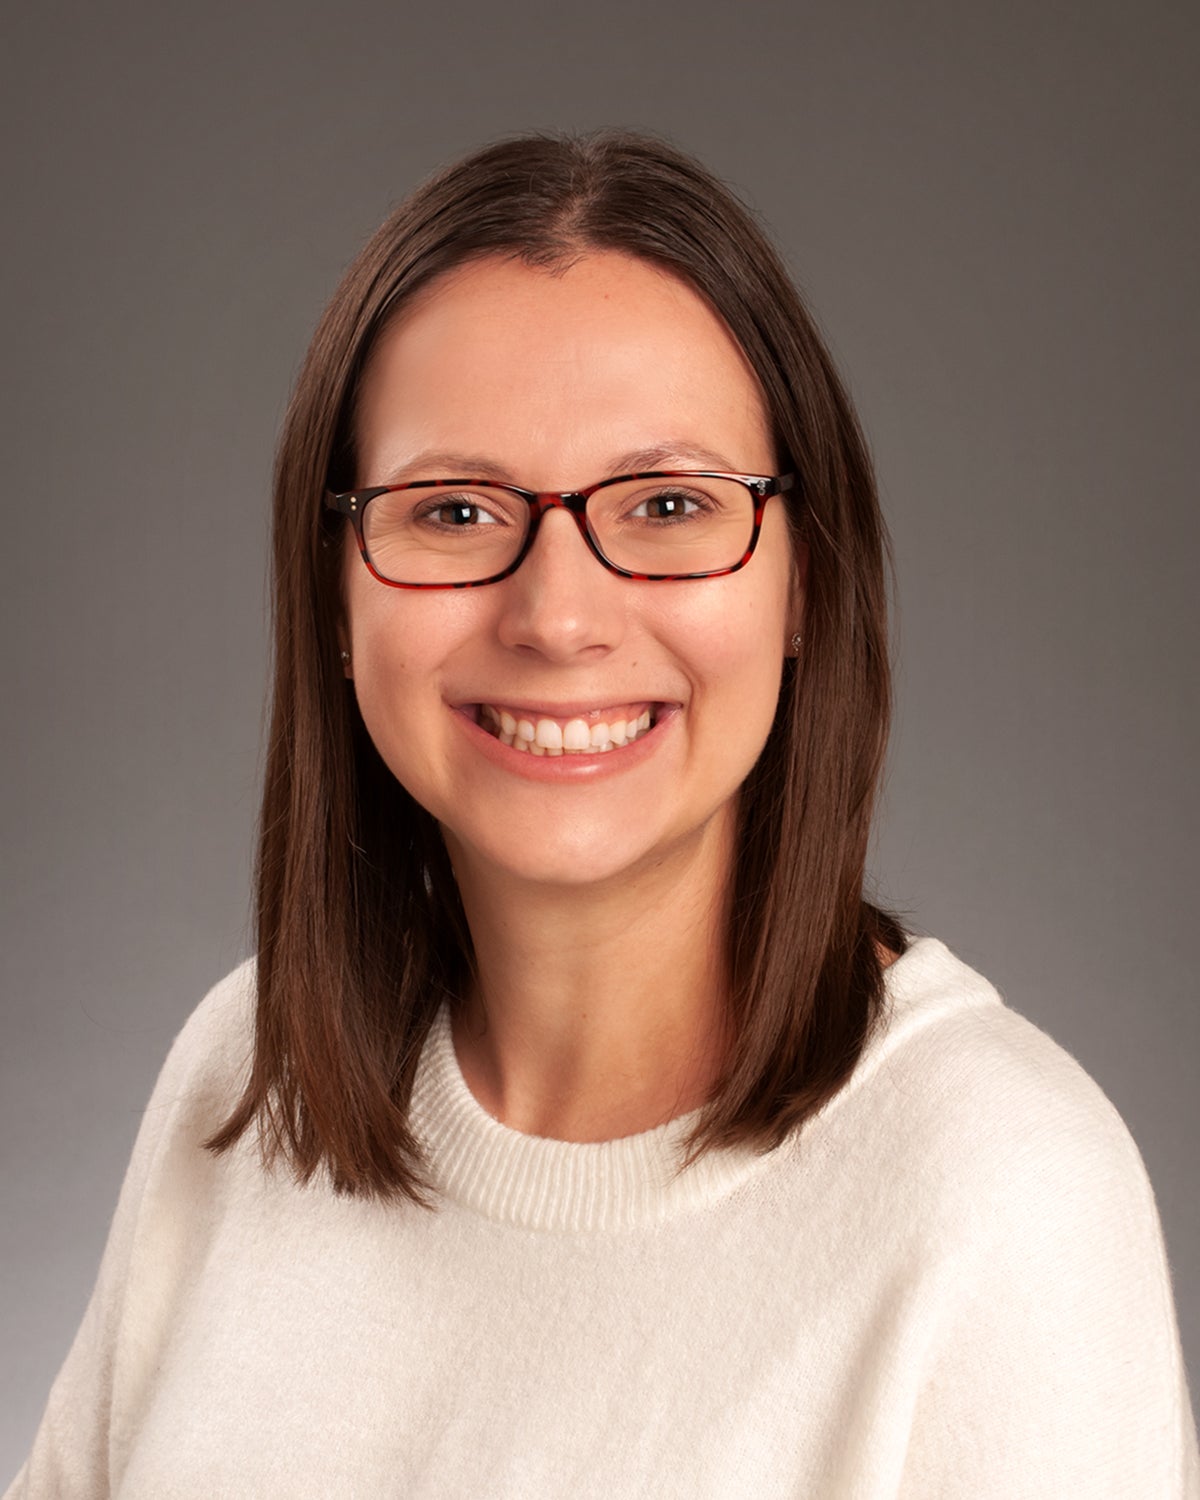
(555, 370)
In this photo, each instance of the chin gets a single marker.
(575, 861)
(579, 853)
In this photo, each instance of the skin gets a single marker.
(594, 887)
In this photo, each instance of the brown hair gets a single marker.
(361, 934)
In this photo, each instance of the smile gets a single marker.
(594, 733)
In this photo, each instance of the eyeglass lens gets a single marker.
(468, 532)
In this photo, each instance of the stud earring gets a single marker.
(345, 658)
(796, 642)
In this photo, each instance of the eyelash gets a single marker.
(429, 510)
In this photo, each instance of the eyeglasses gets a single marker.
(658, 527)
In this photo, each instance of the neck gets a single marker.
(598, 1010)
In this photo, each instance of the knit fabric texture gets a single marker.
(951, 1282)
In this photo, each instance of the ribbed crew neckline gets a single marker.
(536, 1183)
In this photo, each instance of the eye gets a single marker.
(457, 512)
(670, 505)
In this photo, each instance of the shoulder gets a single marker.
(979, 1111)
(951, 1050)
(1004, 1196)
(207, 1064)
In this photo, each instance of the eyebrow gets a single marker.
(449, 463)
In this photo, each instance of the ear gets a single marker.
(795, 624)
(343, 638)
(336, 547)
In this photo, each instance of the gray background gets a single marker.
(993, 209)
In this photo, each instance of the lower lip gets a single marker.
(567, 767)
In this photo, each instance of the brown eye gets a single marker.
(668, 505)
(456, 512)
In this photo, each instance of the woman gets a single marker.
(580, 1129)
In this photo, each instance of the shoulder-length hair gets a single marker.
(361, 934)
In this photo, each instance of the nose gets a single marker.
(562, 603)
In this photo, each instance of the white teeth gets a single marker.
(549, 735)
(552, 737)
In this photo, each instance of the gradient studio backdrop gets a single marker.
(993, 211)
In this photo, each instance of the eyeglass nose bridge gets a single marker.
(574, 502)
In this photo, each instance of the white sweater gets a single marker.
(951, 1283)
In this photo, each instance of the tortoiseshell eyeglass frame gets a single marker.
(761, 487)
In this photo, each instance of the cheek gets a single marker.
(735, 646)
(753, 667)
(747, 648)
(749, 626)
(390, 648)
(403, 632)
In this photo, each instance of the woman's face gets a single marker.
(553, 380)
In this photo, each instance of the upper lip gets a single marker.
(578, 709)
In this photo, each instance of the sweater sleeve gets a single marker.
(1054, 1362)
(161, 1203)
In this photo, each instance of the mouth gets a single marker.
(596, 732)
